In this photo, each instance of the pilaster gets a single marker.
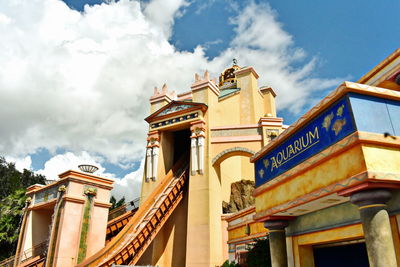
(251, 99)
(269, 101)
(271, 128)
(197, 137)
(152, 153)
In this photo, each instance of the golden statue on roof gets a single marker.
(227, 79)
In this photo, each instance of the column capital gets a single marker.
(199, 124)
(276, 224)
(371, 197)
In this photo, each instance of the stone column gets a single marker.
(156, 148)
(201, 143)
(193, 153)
(149, 162)
(376, 226)
(277, 242)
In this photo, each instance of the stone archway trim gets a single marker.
(234, 151)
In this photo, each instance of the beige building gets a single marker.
(327, 187)
(199, 143)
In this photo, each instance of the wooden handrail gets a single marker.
(7, 261)
(116, 225)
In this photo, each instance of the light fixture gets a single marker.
(88, 168)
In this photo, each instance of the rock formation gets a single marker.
(241, 196)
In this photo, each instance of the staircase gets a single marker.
(33, 257)
(131, 242)
(34, 262)
(116, 225)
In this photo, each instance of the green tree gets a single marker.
(12, 200)
(259, 255)
(115, 204)
(11, 210)
(230, 264)
(12, 180)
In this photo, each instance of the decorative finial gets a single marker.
(234, 61)
(164, 88)
(206, 75)
(196, 77)
(156, 91)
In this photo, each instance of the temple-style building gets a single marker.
(326, 187)
(199, 143)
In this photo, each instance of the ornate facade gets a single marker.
(327, 185)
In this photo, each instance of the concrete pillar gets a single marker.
(376, 226)
(277, 242)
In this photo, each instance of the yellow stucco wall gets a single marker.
(240, 232)
(206, 192)
(232, 117)
(335, 169)
(382, 159)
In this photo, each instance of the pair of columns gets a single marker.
(375, 222)
(197, 142)
(152, 151)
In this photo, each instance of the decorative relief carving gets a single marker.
(62, 188)
(90, 191)
(174, 109)
(46, 195)
(174, 120)
(236, 132)
(28, 201)
(272, 134)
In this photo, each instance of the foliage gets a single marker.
(11, 210)
(12, 200)
(259, 254)
(12, 179)
(115, 204)
(230, 264)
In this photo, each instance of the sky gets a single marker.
(76, 75)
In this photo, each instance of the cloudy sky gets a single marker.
(76, 75)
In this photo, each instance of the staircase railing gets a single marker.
(116, 225)
(131, 205)
(9, 262)
(38, 250)
(131, 242)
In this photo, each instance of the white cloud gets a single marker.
(261, 42)
(161, 13)
(20, 163)
(81, 81)
(70, 161)
(129, 186)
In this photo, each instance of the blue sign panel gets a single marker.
(328, 128)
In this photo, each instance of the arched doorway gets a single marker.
(233, 165)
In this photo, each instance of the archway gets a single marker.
(233, 165)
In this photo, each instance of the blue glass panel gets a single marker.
(371, 114)
(394, 113)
